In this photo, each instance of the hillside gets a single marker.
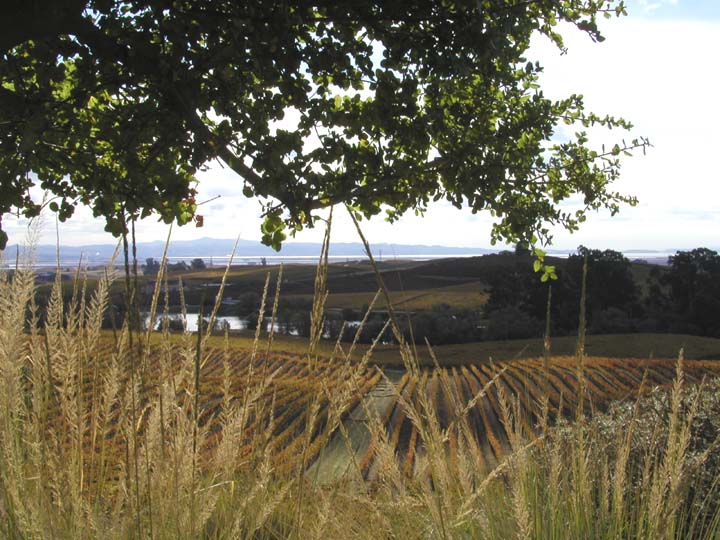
(414, 284)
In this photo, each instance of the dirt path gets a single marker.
(335, 460)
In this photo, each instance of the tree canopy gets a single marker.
(611, 291)
(688, 293)
(383, 106)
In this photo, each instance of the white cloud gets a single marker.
(651, 6)
(659, 75)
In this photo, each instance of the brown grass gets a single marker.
(161, 436)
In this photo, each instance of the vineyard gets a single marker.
(155, 435)
(330, 418)
(481, 402)
(281, 402)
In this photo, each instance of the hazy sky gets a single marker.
(657, 68)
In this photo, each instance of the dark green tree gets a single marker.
(612, 298)
(687, 295)
(610, 281)
(522, 250)
(197, 264)
(180, 266)
(612, 295)
(118, 103)
(247, 303)
(151, 267)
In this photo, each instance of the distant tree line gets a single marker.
(686, 299)
(621, 297)
(683, 297)
(152, 266)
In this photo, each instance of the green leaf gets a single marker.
(133, 123)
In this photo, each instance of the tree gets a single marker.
(151, 267)
(513, 323)
(247, 303)
(197, 264)
(610, 291)
(689, 292)
(610, 282)
(117, 104)
(612, 295)
(180, 266)
(522, 250)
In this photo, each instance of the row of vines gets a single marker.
(490, 401)
(294, 406)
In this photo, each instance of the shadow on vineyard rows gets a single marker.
(347, 409)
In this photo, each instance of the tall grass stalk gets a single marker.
(407, 353)
(317, 322)
(546, 342)
(193, 448)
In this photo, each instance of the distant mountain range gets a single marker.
(219, 250)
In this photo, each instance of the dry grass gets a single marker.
(160, 437)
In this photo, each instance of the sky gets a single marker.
(656, 68)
